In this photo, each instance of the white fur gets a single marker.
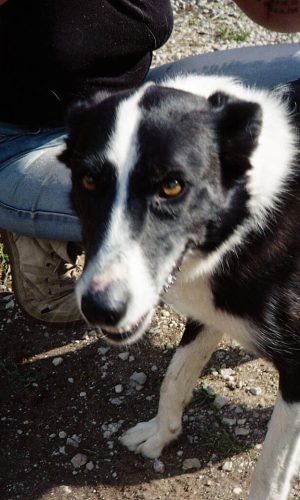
(194, 299)
(280, 456)
(149, 438)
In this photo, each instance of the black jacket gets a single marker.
(55, 51)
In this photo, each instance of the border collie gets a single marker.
(195, 181)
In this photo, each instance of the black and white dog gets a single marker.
(196, 179)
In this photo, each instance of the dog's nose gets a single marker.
(100, 308)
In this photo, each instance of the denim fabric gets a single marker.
(34, 194)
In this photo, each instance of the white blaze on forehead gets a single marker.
(122, 147)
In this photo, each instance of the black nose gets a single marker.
(100, 308)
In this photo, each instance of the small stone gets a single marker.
(154, 368)
(103, 350)
(62, 434)
(72, 442)
(238, 410)
(71, 380)
(62, 450)
(220, 402)
(82, 394)
(89, 466)
(138, 378)
(241, 421)
(227, 466)
(116, 401)
(131, 358)
(158, 466)
(191, 463)
(79, 460)
(241, 431)
(118, 388)
(237, 491)
(227, 373)
(57, 361)
(210, 390)
(229, 421)
(180, 453)
(52, 435)
(255, 391)
(124, 355)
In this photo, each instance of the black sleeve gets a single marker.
(56, 51)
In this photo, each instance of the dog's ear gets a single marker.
(75, 117)
(238, 124)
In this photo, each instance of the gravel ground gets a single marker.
(66, 398)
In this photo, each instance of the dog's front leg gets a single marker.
(197, 345)
(280, 456)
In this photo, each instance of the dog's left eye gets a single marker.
(89, 183)
(171, 188)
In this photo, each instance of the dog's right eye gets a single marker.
(89, 183)
(171, 188)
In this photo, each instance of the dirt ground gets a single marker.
(61, 395)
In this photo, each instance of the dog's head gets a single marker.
(154, 173)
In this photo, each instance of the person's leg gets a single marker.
(34, 204)
(263, 66)
(35, 185)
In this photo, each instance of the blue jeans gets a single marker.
(34, 195)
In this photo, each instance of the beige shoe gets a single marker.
(44, 274)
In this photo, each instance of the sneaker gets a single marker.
(44, 273)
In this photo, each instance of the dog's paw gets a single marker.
(148, 438)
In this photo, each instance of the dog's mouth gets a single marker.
(132, 332)
(127, 334)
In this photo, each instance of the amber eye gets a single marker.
(88, 183)
(171, 188)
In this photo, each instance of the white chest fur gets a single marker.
(194, 299)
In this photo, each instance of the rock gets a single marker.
(237, 491)
(191, 463)
(116, 401)
(62, 450)
(158, 466)
(118, 388)
(210, 390)
(62, 434)
(89, 466)
(229, 421)
(227, 373)
(220, 402)
(255, 391)
(241, 431)
(82, 394)
(103, 350)
(227, 466)
(72, 442)
(57, 361)
(123, 355)
(138, 378)
(71, 380)
(79, 460)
